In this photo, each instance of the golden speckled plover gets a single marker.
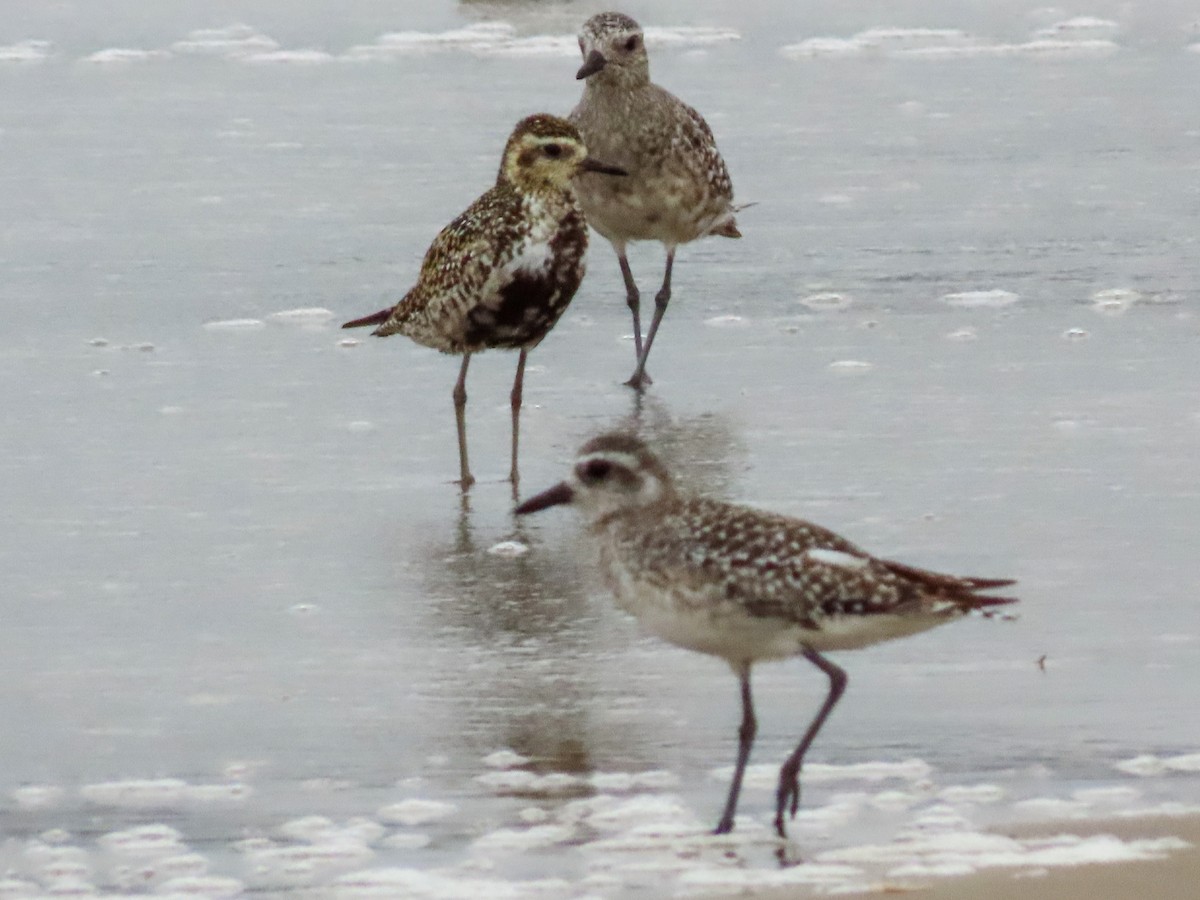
(502, 273)
(678, 188)
(747, 585)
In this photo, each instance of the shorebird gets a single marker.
(502, 273)
(678, 189)
(747, 585)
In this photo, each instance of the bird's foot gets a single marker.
(787, 799)
(639, 382)
(725, 826)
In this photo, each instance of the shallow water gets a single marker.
(240, 590)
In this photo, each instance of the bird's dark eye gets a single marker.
(554, 151)
(631, 44)
(596, 470)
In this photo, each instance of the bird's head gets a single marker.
(546, 151)
(614, 50)
(612, 473)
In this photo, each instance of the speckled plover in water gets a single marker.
(678, 188)
(502, 273)
(747, 585)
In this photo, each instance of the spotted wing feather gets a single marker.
(783, 568)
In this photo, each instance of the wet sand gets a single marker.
(1176, 876)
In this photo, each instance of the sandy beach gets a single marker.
(1176, 876)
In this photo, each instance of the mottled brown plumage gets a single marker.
(502, 273)
(747, 585)
(678, 189)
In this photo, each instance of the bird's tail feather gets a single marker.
(960, 589)
(374, 319)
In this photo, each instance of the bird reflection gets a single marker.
(705, 449)
(527, 624)
(538, 655)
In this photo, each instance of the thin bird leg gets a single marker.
(460, 409)
(634, 300)
(517, 388)
(661, 299)
(789, 775)
(746, 732)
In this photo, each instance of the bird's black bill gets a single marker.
(594, 165)
(560, 493)
(593, 64)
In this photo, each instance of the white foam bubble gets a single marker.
(508, 549)
(301, 864)
(823, 48)
(733, 881)
(1050, 808)
(136, 793)
(30, 51)
(1117, 795)
(307, 828)
(18, 888)
(641, 814)
(38, 796)
(850, 366)
(406, 840)
(235, 325)
(415, 812)
(936, 44)
(403, 43)
(230, 41)
(307, 57)
(688, 36)
(505, 759)
(626, 782)
(826, 301)
(726, 321)
(562, 46)
(1115, 301)
(308, 315)
(429, 884)
(124, 56)
(554, 784)
(981, 299)
(1080, 27)
(1076, 334)
(1143, 766)
(963, 334)
(349, 342)
(501, 39)
(149, 841)
(519, 840)
(973, 794)
(211, 886)
(1050, 48)
(1184, 762)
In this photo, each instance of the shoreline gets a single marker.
(1173, 876)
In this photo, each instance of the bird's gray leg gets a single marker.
(633, 299)
(746, 732)
(460, 409)
(789, 776)
(661, 299)
(515, 397)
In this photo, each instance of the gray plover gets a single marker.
(678, 189)
(747, 585)
(502, 273)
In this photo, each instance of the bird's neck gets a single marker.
(618, 78)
